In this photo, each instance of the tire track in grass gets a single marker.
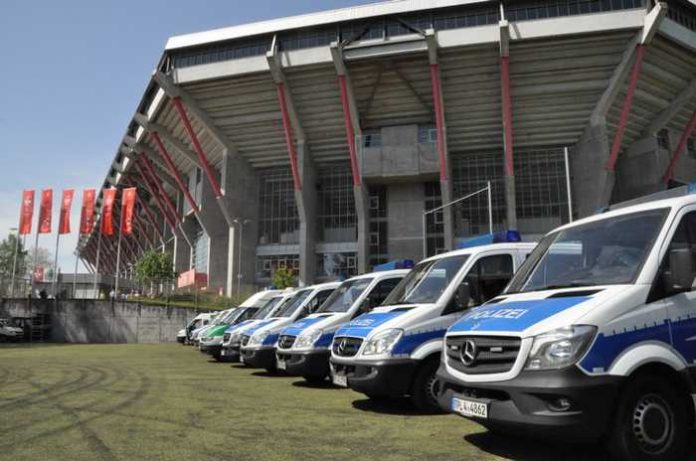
(47, 392)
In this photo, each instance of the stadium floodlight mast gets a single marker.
(454, 202)
(242, 223)
(14, 261)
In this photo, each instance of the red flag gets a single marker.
(87, 215)
(26, 215)
(38, 274)
(127, 207)
(45, 211)
(65, 205)
(107, 221)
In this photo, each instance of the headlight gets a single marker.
(560, 348)
(307, 339)
(383, 343)
(257, 339)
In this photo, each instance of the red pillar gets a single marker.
(153, 178)
(439, 119)
(350, 130)
(174, 171)
(158, 199)
(626, 110)
(197, 147)
(688, 131)
(289, 138)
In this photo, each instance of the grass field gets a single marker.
(169, 402)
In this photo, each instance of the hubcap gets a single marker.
(653, 423)
(432, 387)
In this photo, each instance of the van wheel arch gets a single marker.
(417, 398)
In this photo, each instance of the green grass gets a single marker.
(169, 402)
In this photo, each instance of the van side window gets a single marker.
(486, 280)
(684, 237)
(319, 300)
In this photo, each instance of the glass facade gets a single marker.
(199, 252)
(435, 229)
(337, 265)
(278, 219)
(267, 265)
(379, 249)
(336, 218)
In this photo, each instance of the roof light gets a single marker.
(506, 236)
(392, 265)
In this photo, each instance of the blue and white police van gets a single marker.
(259, 340)
(232, 339)
(594, 338)
(303, 347)
(395, 350)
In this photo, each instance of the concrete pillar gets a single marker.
(588, 161)
(406, 203)
(307, 208)
(639, 170)
(447, 195)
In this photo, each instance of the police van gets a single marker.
(395, 350)
(201, 320)
(232, 339)
(303, 347)
(594, 338)
(259, 341)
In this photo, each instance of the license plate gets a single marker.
(241, 358)
(339, 379)
(223, 352)
(470, 408)
(281, 364)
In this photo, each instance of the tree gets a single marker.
(155, 267)
(44, 258)
(7, 262)
(283, 278)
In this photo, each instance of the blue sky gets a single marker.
(71, 74)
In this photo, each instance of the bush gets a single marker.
(283, 278)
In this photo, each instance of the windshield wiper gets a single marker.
(568, 285)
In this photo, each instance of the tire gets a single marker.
(651, 422)
(315, 379)
(425, 387)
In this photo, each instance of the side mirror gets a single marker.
(463, 295)
(680, 276)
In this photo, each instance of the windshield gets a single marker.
(291, 304)
(267, 308)
(607, 252)
(345, 295)
(427, 281)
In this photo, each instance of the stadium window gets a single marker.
(427, 134)
(278, 219)
(663, 139)
(336, 216)
(372, 138)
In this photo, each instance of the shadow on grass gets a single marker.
(525, 449)
(267, 374)
(388, 406)
(326, 384)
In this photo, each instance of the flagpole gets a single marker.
(118, 253)
(36, 260)
(55, 266)
(96, 272)
(74, 283)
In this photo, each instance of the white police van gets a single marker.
(303, 347)
(259, 341)
(232, 339)
(594, 338)
(395, 349)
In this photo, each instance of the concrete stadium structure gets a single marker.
(319, 141)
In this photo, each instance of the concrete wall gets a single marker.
(405, 203)
(90, 321)
(400, 156)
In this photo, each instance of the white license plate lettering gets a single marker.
(340, 379)
(470, 408)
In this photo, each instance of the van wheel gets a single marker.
(426, 386)
(651, 422)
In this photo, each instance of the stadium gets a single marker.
(328, 142)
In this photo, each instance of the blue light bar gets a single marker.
(507, 236)
(393, 265)
(692, 188)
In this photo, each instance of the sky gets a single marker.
(71, 75)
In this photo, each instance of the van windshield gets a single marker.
(611, 251)
(267, 308)
(427, 281)
(345, 295)
(291, 304)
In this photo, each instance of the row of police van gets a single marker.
(587, 335)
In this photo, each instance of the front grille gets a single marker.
(245, 339)
(226, 337)
(491, 354)
(345, 346)
(286, 341)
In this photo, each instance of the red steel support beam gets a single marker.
(507, 114)
(626, 110)
(439, 119)
(289, 137)
(197, 147)
(153, 178)
(688, 131)
(350, 130)
(160, 204)
(174, 171)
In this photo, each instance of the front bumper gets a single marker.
(260, 358)
(528, 404)
(312, 363)
(231, 352)
(389, 378)
(181, 339)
